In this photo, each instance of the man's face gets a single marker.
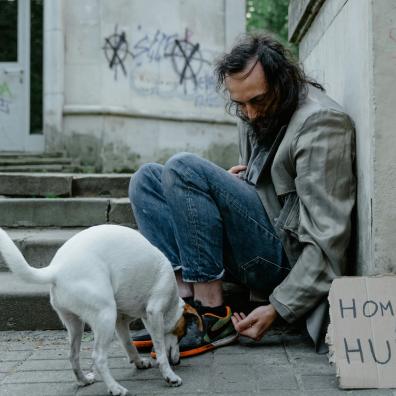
(248, 90)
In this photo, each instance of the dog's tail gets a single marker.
(19, 266)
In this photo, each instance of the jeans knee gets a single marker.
(181, 159)
(145, 176)
(177, 164)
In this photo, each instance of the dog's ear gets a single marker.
(189, 310)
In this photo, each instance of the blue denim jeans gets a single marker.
(207, 222)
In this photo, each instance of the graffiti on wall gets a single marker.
(165, 65)
(187, 60)
(116, 51)
(149, 48)
(5, 98)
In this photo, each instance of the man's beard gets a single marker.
(264, 129)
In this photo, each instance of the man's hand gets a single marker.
(256, 323)
(237, 169)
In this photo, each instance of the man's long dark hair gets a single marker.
(286, 82)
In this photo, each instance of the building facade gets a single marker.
(126, 81)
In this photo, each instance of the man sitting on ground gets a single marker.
(279, 222)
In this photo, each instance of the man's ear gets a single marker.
(189, 310)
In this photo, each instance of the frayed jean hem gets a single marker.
(201, 279)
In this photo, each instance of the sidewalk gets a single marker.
(35, 363)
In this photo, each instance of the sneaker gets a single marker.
(142, 340)
(217, 331)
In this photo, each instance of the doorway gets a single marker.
(21, 109)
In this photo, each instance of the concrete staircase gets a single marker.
(37, 162)
(40, 211)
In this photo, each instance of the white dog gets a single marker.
(106, 276)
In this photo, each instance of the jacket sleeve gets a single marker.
(323, 153)
(244, 143)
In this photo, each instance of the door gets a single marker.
(15, 76)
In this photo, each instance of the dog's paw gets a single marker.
(87, 379)
(144, 363)
(173, 380)
(90, 377)
(118, 390)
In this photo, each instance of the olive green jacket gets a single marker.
(310, 170)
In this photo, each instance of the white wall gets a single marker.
(384, 72)
(145, 71)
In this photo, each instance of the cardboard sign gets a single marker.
(362, 332)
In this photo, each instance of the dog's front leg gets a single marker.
(155, 326)
(122, 328)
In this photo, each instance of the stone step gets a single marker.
(38, 162)
(64, 212)
(26, 306)
(35, 168)
(101, 185)
(64, 185)
(35, 185)
(24, 154)
(28, 160)
(39, 245)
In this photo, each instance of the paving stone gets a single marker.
(47, 376)
(360, 392)
(51, 365)
(318, 382)
(38, 389)
(134, 387)
(61, 354)
(14, 356)
(6, 367)
(44, 369)
(204, 360)
(298, 347)
(276, 378)
(144, 384)
(97, 389)
(233, 377)
(280, 392)
(64, 364)
(257, 358)
(318, 364)
(236, 349)
(17, 346)
(194, 380)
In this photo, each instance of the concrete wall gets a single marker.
(350, 47)
(139, 83)
(384, 76)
